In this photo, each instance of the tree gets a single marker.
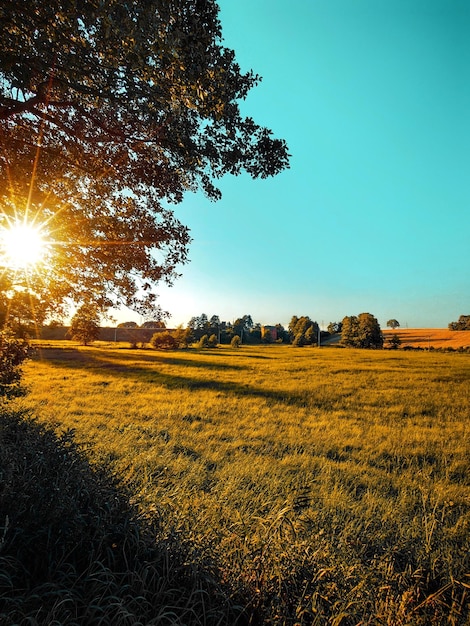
(199, 326)
(242, 327)
(303, 331)
(350, 331)
(362, 331)
(335, 327)
(85, 324)
(282, 334)
(182, 336)
(394, 342)
(463, 323)
(128, 325)
(22, 313)
(393, 324)
(153, 324)
(109, 112)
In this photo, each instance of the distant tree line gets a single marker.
(463, 323)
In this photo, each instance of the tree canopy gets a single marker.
(109, 112)
(362, 331)
(463, 323)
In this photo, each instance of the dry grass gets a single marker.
(325, 486)
(430, 337)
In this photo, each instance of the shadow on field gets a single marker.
(73, 550)
(112, 364)
(93, 357)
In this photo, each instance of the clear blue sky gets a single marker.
(373, 98)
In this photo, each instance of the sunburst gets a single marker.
(23, 245)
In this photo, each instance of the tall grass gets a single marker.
(322, 486)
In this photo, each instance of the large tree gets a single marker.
(463, 323)
(109, 112)
(303, 331)
(362, 331)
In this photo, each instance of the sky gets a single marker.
(373, 99)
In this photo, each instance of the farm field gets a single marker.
(319, 486)
(430, 337)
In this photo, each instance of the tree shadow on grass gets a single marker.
(94, 356)
(73, 550)
(111, 363)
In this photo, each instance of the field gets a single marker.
(316, 486)
(430, 337)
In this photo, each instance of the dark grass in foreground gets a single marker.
(74, 551)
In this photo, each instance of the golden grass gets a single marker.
(430, 337)
(330, 486)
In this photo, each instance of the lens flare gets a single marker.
(22, 246)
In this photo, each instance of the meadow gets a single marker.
(316, 486)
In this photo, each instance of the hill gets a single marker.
(430, 337)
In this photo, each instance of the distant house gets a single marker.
(269, 330)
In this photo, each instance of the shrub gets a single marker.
(203, 342)
(164, 341)
(13, 352)
(236, 341)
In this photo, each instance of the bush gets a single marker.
(13, 352)
(164, 341)
(203, 342)
(236, 341)
(394, 342)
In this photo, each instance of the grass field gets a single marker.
(317, 486)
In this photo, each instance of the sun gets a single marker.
(22, 245)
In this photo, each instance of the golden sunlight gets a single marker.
(22, 245)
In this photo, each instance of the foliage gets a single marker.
(203, 342)
(335, 327)
(362, 331)
(182, 336)
(22, 313)
(327, 490)
(199, 326)
(463, 323)
(85, 324)
(164, 341)
(394, 341)
(13, 353)
(303, 331)
(74, 550)
(282, 333)
(236, 341)
(154, 324)
(109, 112)
(212, 342)
(128, 325)
(393, 324)
(267, 334)
(242, 327)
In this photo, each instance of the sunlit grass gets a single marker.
(324, 483)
